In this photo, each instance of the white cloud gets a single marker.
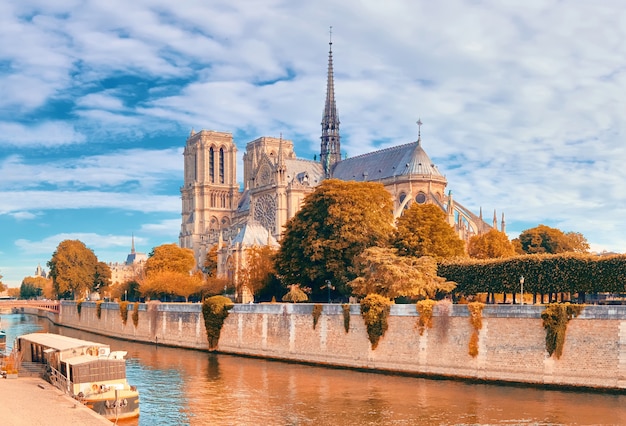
(47, 134)
(18, 201)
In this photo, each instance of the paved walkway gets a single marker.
(24, 402)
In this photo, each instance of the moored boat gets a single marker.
(88, 371)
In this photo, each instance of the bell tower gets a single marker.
(210, 191)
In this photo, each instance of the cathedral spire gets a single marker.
(330, 145)
(132, 245)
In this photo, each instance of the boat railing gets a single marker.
(58, 380)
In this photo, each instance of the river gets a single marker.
(186, 387)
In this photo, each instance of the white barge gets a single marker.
(88, 371)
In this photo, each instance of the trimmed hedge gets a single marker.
(543, 274)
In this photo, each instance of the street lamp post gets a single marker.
(329, 287)
(521, 284)
(126, 295)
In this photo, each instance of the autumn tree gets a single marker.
(170, 257)
(423, 231)
(259, 271)
(2, 286)
(381, 271)
(544, 239)
(490, 245)
(102, 276)
(72, 268)
(33, 287)
(210, 262)
(13, 292)
(336, 222)
(168, 272)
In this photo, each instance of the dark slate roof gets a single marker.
(296, 168)
(408, 159)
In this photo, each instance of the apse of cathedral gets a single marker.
(216, 211)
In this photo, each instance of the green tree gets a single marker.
(544, 239)
(423, 231)
(72, 268)
(381, 271)
(490, 245)
(33, 287)
(336, 222)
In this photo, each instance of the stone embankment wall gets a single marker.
(511, 344)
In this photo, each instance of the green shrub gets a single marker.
(555, 318)
(99, 309)
(215, 310)
(346, 316)
(375, 310)
(476, 319)
(136, 314)
(79, 306)
(425, 310)
(317, 312)
(124, 311)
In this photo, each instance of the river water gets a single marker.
(186, 387)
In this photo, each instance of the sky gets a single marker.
(522, 104)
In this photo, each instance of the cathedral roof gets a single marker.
(298, 168)
(254, 234)
(408, 159)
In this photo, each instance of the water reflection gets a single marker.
(184, 387)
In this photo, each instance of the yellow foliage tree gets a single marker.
(491, 245)
(381, 271)
(170, 257)
(423, 231)
(73, 268)
(171, 283)
(259, 270)
(168, 272)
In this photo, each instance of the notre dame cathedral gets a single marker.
(216, 211)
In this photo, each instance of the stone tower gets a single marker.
(210, 191)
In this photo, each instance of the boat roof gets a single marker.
(58, 342)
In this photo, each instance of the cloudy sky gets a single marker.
(523, 106)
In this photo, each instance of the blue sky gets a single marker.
(522, 104)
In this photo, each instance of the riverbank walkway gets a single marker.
(34, 402)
